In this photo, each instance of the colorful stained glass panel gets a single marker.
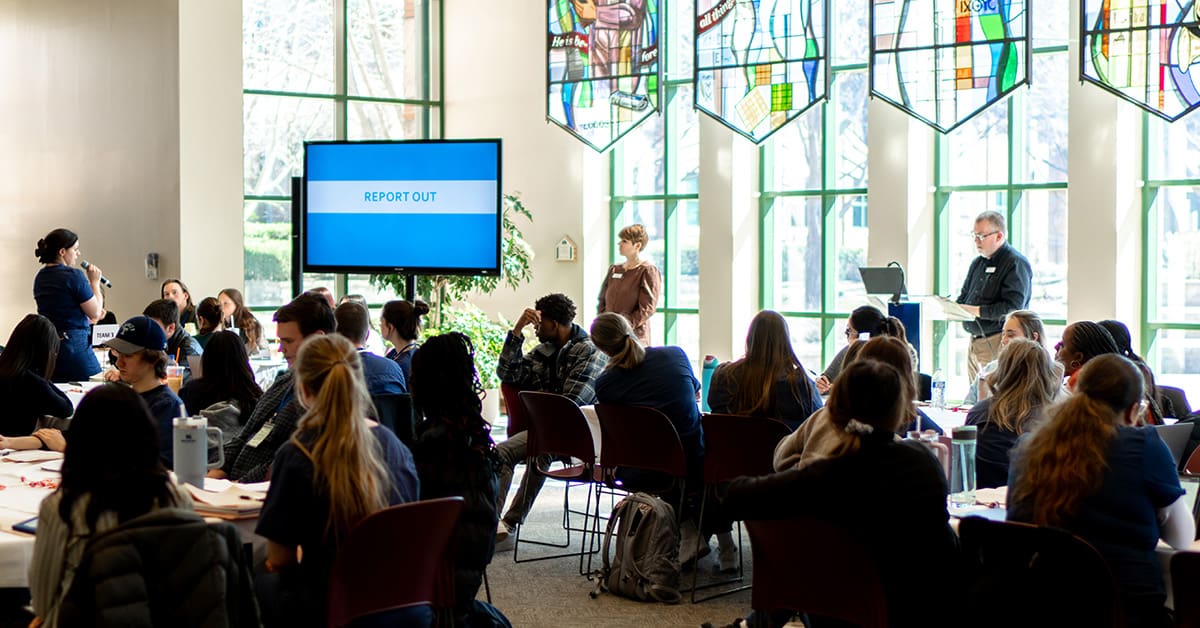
(944, 61)
(1145, 51)
(602, 67)
(760, 63)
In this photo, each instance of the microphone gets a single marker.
(103, 280)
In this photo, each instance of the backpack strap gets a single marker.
(602, 574)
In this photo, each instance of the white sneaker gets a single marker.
(502, 531)
(727, 553)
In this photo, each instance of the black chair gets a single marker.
(1027, 575)
(1185, 577)
(1176, 398)
(395, 412)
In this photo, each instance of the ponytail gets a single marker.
(612, 334)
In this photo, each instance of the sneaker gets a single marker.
(727, 559)
(502, 531)
(687, 546)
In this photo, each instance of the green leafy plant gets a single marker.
(487, 335)
(516, 260)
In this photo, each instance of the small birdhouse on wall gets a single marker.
(564, 251)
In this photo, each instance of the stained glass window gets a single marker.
(1145, 51)
(760, 64)
(943, 61)
(602, 66)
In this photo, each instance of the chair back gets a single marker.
(739, 445)
(806, 565)
(924, 387)
(1036, 575)
(1179, 401)
(395, 412)
(557, 427)
(1192, 466)
(1185, 579)
(641, 438)
(396, 558)
(518, 420)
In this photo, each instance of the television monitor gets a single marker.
(413, 207)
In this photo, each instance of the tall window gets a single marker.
(321, 70)
(814, 200)
(1171, 245)
(1011, 158)
(654, 181)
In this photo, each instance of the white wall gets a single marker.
(90, 111)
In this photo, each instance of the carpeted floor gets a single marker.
(551, 593)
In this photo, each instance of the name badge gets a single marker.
(261, 435)
(617, 275)
(990, 269)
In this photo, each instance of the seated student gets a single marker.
(1087, 470)
(400, 325)
(177, 293)
(180, 344)
(1017, 324)
(1120, 335)
(1025, 382)
(236, 316)
(111, 473)
(819, 437)
(769, 380)
(141, 348)
(227, 388)
(248, 455)
(887, 492)
(208, 313)
(566, 362)
(337, 468)
(26, 365)
(455, 455)
(864, 319)
(1081, 341)
(383, 376)
(659, 378)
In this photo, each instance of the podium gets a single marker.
(889, 280)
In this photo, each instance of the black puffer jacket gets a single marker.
(165, 568)
(449, 466)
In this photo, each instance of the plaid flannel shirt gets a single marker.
(570, 371)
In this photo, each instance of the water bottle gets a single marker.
(710, 366)
(190, 449)
(962, 465)
(938, 392)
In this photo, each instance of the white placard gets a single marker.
(103, 333)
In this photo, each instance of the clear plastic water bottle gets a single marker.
(938, 392)
(962, 466)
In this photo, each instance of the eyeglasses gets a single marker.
(979, 237)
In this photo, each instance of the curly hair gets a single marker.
(634, 234)
(1024, 382)
(556, 307)
(445, 388)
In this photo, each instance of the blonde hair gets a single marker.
(1065, 458)
(635, 234)
(612, 334)
(347, 461)
(769, 358)
(1025, 381)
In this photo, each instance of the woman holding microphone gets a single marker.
(71, 299)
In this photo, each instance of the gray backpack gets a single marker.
(646, 564)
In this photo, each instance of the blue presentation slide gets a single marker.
(403, 205)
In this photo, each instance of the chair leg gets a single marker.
(741, 573)
(584, 530)
(487, 588)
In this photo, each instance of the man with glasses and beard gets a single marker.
(999, 281)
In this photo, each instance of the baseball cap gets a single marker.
(138, 334)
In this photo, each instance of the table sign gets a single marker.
(103, 333)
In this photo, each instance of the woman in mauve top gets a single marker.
(631, 288)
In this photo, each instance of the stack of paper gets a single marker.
(228, 500)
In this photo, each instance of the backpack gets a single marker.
(646, 564)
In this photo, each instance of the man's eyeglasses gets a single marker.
(979, 237)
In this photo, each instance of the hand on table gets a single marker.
(112, 375)
(54, 439)
(215, 474)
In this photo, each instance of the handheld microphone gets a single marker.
(103, 280)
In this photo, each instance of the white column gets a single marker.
(729, 265)
(1104, 209)
(210, 255)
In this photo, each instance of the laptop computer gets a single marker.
(1176, 437)
(887, 280)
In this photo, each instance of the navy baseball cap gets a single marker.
(139, 333)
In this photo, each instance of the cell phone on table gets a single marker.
(28, 526)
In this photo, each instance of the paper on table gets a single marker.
(992, 496)
(234, 498)
(33, 455)
(53, 465)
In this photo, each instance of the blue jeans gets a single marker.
(75, 362)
